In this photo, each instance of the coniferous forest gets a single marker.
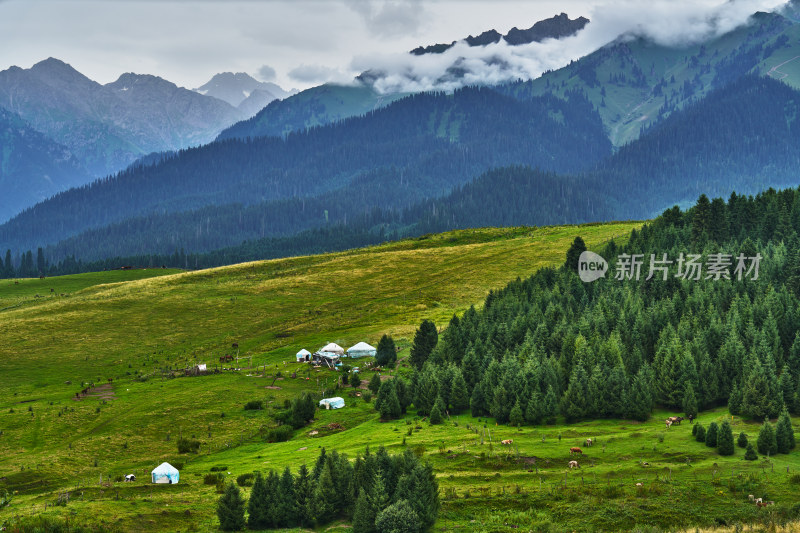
(377, 489)
(722, 333)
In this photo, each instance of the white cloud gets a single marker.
(672, 23)
(188, 42)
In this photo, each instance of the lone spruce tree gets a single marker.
(725, 439)
(374, 383)
(784, 434)
(700, 433)
(574, 253)
(711, 435)
(750, 454)
(386, 353)
(230, 509)
(425, 340)
(767, 442)
(741, 441)
(437, 413)
(257, 506)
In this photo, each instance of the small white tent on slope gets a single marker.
(303, 355)
(332, 403)
(362, 349)
(333, 348)
(165, 473)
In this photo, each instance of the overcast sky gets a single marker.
(301, 43)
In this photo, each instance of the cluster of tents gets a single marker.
(334, 351)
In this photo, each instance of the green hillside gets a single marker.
(142, 327)
(136, 327)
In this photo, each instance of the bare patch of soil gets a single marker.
(101, 392)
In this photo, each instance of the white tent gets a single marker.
(333, 348)
(303, 355)
(165, 473)
(362, 349)
(332, 403)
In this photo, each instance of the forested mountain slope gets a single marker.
(635, 82)
(317, 106)
(417, 148)
(32, 167)
(742, 137)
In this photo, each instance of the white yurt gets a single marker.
(165, 473)
(333, 348)
(303, 355)
(332, 403)
(362, 349)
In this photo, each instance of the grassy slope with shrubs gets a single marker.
(137, 332)
(485, 486)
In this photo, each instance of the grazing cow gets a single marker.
(575, 450)
(751, 497)
(639, 485)
(573, 464)
(130, 477)
(668, 422)
(674, 420)
(761, 504)
(758, 500)
(507, 441)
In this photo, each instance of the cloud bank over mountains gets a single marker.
(671, 23)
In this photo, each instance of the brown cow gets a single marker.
(575, 450)
(507, 441)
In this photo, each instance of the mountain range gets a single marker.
(32, 167)
(555, 27)
(107, 127)
(624, 132)
(243, 91)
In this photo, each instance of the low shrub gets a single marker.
(280, 434)
(254, 405)
(283, 417)
(245, 480)
(212, 479)
(742, 440)
(219, 468)
(188, 446)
